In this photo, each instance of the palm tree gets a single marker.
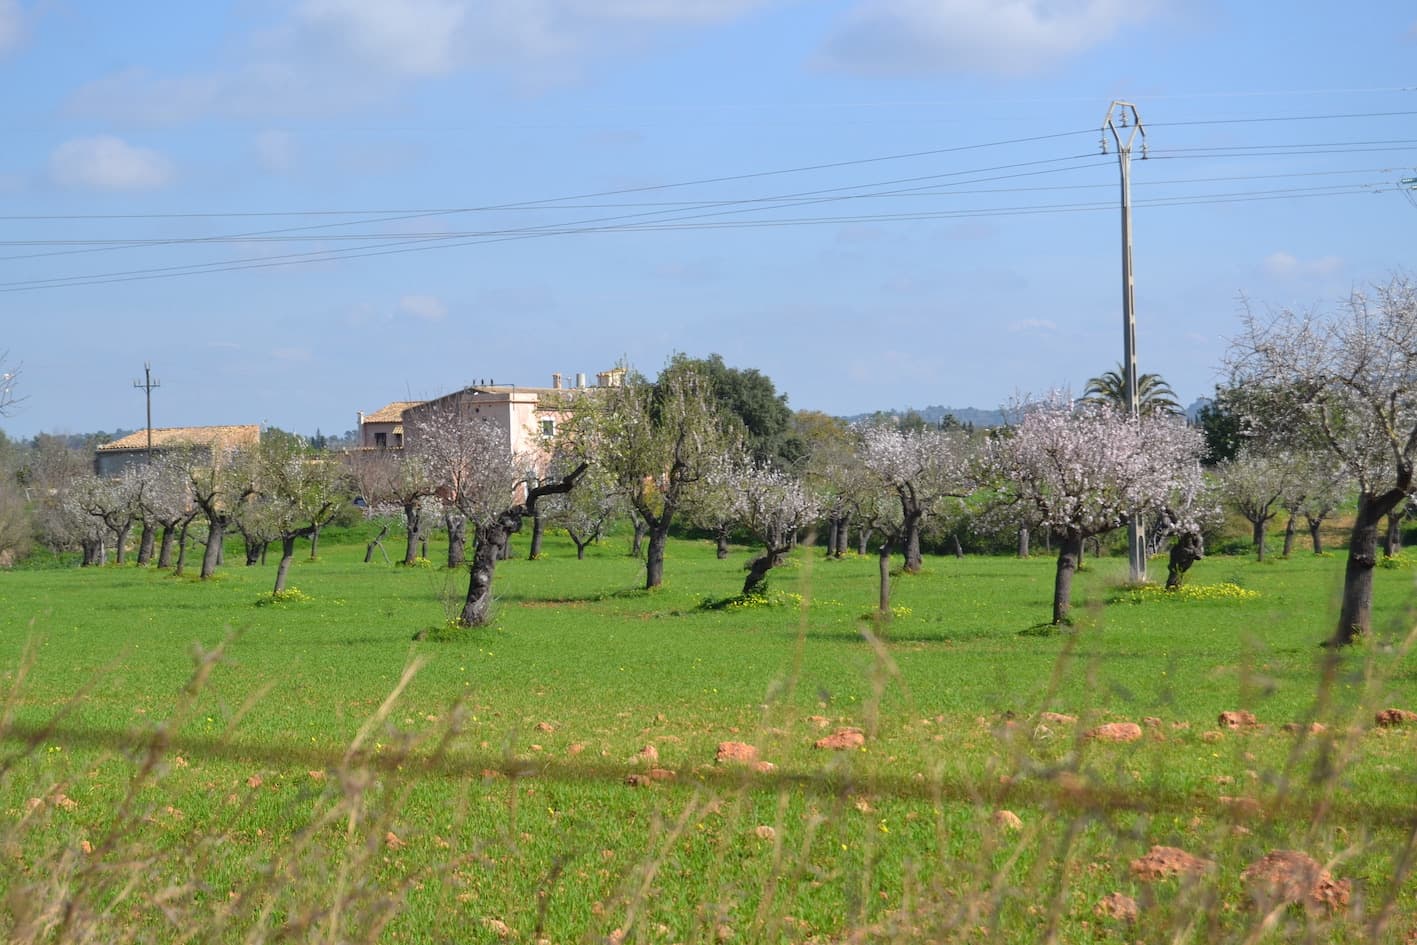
(1154, 396)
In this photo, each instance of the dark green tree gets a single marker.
(750, 395)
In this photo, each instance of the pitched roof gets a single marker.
(245, 434)
(392, 413)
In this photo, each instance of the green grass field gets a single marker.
(181, 760)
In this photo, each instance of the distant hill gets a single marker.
(934, 414)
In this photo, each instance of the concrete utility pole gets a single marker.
(147, 385)
(1125, 126)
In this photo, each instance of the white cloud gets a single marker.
(1033, 326)
(1002, 37)
(1282, 265)
(328, 56)
(12, 25)
(275, 151)
(411, 37)
(425, 307)
(108, 163)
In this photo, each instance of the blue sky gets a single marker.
(301, 210)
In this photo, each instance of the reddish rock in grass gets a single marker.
(1057, 718)
(820, 721)
(764, 767)
(1314, 728)
(545, 727)
(765, 832)
(1288, 876)
(739, 752)
(661, 774)
(1389, 718)
(648, 754)
(843, 739)
(1239, 718)
(1116, 732)
(1119, 906)
(1164, 862)
(1006, 820)
(639, 780)
(1212, 736)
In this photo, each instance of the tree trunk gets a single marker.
(1314, 525)
(537, 527)
(164, 554)
(1069, 554)
(863, 539)
(121, 544)
(1392, 539)
(216, 531)
(654, 553)
(1258, 535)
(1355, 617)
(1289, 529)
(958, 548)
(913, 561)
(883, 560)
(182, 547)
(1185, 552)
(832, 533)
(315, 541)
(1023, 541)
(721, 543)
(641, 530)
(411, 523)
(758, 568)
(146, 543)
(457, 538)
(843, 538)
(378, 542)
(487, 550)
(287, 552)
(253, 551)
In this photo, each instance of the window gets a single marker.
(381, 440)
(548, 427)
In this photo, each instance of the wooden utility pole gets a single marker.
(147, 385)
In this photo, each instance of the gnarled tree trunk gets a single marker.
(487, 549)
(1069, 555)
(1355, 616)
(146, 544)
(537, 527)
(457, 538)
(1185, 552)
(216, 533)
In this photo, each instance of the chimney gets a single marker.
(580, 379)
(555, 381)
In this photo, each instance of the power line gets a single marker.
(443, 241)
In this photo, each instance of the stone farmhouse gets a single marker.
(111, 459)
(527, 415)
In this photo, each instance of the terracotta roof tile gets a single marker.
(240, 435)
(391, 413)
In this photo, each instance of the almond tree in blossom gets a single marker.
(167, 503)
(922, 467)
(475, 470)
(298, 491)
(1254, 484)
(1081, 470)
(1358, 369)
(772, 504)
